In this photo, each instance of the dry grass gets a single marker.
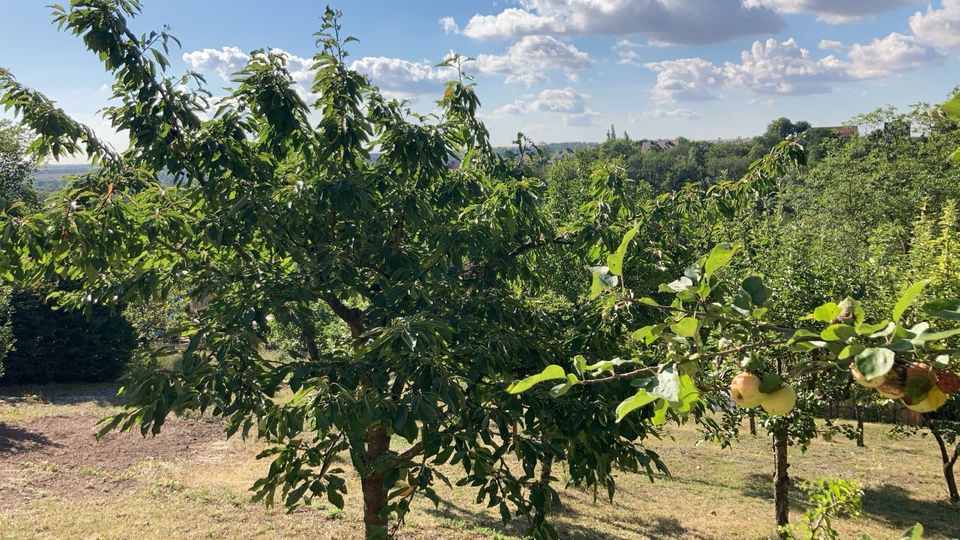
(712, 493)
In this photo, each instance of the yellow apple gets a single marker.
(862, 380)
(933, 400)
(745, 390)
(781, 402)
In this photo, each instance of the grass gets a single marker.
(712, 493)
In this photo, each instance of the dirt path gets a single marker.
(57, 456)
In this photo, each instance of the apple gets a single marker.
(948, 382)
(933, 400)
(894, 385)
(862, 380)
(781, 402)
(745, 390)
(918, 370)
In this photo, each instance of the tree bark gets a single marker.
(753, 423)
(546, 470)
(948, 463)
(781, 480)
(374, 494)
(859, 413)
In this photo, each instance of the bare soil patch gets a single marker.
(58, 456)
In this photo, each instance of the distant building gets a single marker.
(844, 132)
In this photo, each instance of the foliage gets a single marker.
(16, 170)
(432, 271)
(829, 498)
(63, 345)
(7, 341)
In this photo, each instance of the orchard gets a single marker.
(455, 344)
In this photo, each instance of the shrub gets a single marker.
(56, 345)
(6, 333)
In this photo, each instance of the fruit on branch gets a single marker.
(931, 401)
(745, 390)
(948, 382)
(895, 384)
(781, 402)
(862, 380)
(920, 378)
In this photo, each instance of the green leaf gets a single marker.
(952, 108)
(825, 313)
(955, 156)
(875, 362)
(943, 309)
(615, 260)
(686, 327)
(549, 373)
(677, 286)
(916, 533)
(907, 296)
(864, 329)
(660, 413)
(771, 383)
(668, 385)
(838, 332)
(935, 336)
(720, 256)
(648, 334)
(602, 279)
(759, 293)
(640, 399)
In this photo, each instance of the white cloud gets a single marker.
(938, 27)
(663, 113)
(224, 62)
(785, 68)
(833, 11)
(665, 21)
(530, 59)
(449, 25)
(831, 45)
(687, 79)
(402, 78)
(627, 51)
(777, 67)
(569, 103)
(890, 55)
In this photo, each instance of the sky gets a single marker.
(557, 70)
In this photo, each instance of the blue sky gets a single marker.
(559, 70)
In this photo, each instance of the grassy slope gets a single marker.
(713, 493)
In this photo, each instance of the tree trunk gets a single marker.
(948, 463)
(546, 470)
(859, 412)
(374, 494)
(753, 423)
(781, 480)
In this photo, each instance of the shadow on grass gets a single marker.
(632, 528)
(892, 504)
(101, 394)
(15, 439)
(760, 486)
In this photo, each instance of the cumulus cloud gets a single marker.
(777, 67)
(664, 113)
(665, 21)
(785, 68)
(887, 56)
(938, 27)
(833, 11)
(224, 62)
(402, 78)
(532, 58)
(568, 102)
(687, 79)
(831, 45)
(449, 25)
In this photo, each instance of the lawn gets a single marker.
(189, 482)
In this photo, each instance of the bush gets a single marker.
(57, 345)
(6, 332)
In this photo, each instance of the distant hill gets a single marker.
(50, 178)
